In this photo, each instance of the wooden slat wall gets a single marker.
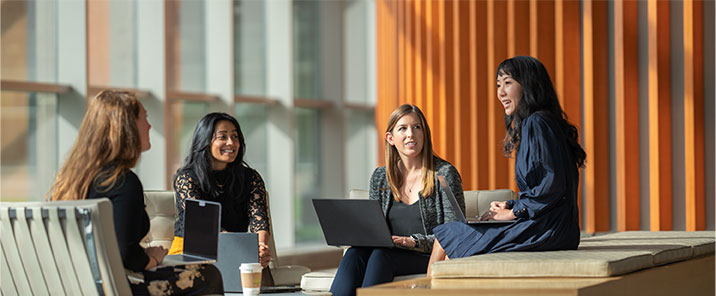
(626, 70)
(596, 124)
(694, 115)
(659, 116)
(442, 55)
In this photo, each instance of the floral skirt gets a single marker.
(195, 279)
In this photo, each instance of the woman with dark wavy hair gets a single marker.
(215, 170)
(547, 161)
(113, 134)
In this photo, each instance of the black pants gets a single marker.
(195, 279)
(363, 267)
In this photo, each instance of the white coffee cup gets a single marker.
(250, 278)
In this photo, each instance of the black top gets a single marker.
(435, 209)
(404, 219)
(239, 213)
(131, 222)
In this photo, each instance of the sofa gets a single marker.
(161, 208)
(476, 203)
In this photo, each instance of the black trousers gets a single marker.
(364, 267)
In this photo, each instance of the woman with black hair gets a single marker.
(215, 170)
(547, 161)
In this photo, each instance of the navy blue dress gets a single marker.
(547, 213)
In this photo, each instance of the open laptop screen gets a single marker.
(202, 222)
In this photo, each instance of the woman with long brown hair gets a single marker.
(412, 202)
(112, 136)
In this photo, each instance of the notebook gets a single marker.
(353, 222)
(458, 211)
(202, 222)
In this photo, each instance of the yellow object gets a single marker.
(177, 246)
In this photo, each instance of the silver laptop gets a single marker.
(236, 248)
(458, 211)
(241, 247)
(353, 222)
(202, 222)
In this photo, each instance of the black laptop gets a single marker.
(202, 221)
(353, 222)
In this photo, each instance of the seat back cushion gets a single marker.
(162, 211)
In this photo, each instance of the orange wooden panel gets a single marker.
(455, 100)
(480, 79)
(596, 123)
(418, 54)
(447, 103)
(571, 91)
(409, 75)
(693, 115)
(660, 217)
(626, 72)
(544, 49)
(443, 33)
(496, 53)
(428, 57)
(464, 109)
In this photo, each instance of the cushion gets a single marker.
(573, 263)
(598, 256)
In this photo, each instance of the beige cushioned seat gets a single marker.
(599, 256)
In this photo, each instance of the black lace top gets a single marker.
(241, 213)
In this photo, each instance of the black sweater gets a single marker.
(131, 222)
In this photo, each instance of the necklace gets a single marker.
(415, 181)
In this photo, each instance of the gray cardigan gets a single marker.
(434, 209)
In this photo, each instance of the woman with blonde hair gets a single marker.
(412, 202)
(113, 134)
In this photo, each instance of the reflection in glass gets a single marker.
(28, 140)
(306, 52)
(308, 174)
(29, 41)
(187, 115)
(253, 119)
(250, 48)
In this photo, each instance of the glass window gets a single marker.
(28, 137)
(186, 116)
(186, 48)
(308, 174)
(306, 52)
(253, 119)
(29, 41)
(250, 48)
(111, 33)
(360, 148)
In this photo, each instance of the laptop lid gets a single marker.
(236, 248)
(453, 201)
(458, 212)
(353, 222)
(202, 223)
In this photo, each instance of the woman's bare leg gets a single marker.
(438, 254)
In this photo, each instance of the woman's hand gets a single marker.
(404, 241)
(264, 254)
(156, 254)
(500, 212)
